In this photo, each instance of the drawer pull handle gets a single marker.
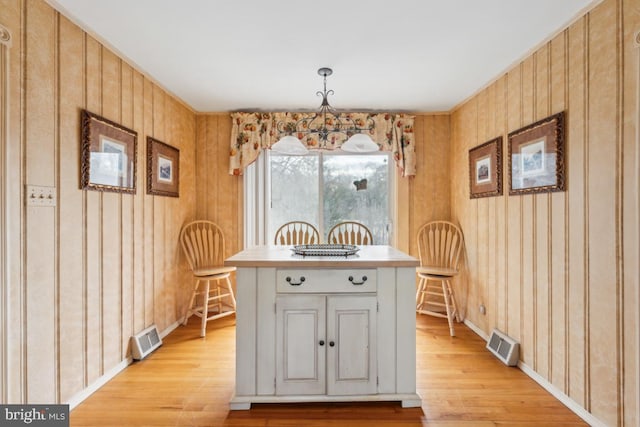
(331, 343)
(302, 279)
(364, 279)
(321, 342)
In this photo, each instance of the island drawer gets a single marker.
(326, 281)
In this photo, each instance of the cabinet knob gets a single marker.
(331, 343)
(364, 279)
(321, 342)
(289, 280)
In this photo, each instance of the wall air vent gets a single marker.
(145, 342)
(504, 347)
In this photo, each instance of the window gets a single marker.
(321, 188)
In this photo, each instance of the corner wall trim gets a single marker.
(5, 44)
(637, 124)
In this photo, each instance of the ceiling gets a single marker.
(401, 55)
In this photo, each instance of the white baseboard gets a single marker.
(170, 328)
(555, 392)
(92, 388)
(558, 394)
(477, 330)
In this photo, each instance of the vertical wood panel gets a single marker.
(111, 226)
(148, 209)
(139, 262)
(127, 219)
(631, 215)
(40, 239)
(418, 204)
(558, 320)
(528, 225)
(602, 238)
(227, 186)
(576, 172)
(513, 251)
(93, 235)
(489, 319)
(159, 289)
(482, 217)
(500, 308)
(542, 249)
(15, 367)
(212, 208)
(70, 205)
(200, 162)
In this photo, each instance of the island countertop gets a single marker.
(369, 256)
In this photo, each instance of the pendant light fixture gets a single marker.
(325, 123)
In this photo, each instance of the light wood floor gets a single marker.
(189, 381)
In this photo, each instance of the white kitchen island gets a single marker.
(325, 329)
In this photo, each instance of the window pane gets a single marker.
(356, 188)
(294, 190)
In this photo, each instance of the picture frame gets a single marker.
(485, 169)
(163, 168)
(536, 157)
(108, 155)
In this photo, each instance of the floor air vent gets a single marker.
(504, 347)
(145, 342)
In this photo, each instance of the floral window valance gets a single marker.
(252, 132)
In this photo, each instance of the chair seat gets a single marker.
(212, 271)
(436, 271)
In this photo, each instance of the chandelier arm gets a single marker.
(326, 120)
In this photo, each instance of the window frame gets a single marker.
(257, 196)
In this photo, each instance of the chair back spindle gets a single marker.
(297, 233)
(350, 233)
(203, 244)
(440, 245)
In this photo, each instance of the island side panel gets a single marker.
(406, 330)
(266, 326)
(386, 330)
(246, 292)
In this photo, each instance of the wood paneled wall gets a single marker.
(220, 195)
(85, 275)
(559, 271)
(430, 190)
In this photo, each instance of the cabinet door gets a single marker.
(300, 345)
(351, 354)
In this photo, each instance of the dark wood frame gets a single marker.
(492, 151)
(156, 151)
(546, 136)
(96, 132)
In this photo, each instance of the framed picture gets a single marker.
(108, 155)
(536, 157)
(485, 169)
(163, 168)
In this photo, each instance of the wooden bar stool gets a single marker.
(440, 244)
(203, 245)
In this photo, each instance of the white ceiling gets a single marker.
(411, 55)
